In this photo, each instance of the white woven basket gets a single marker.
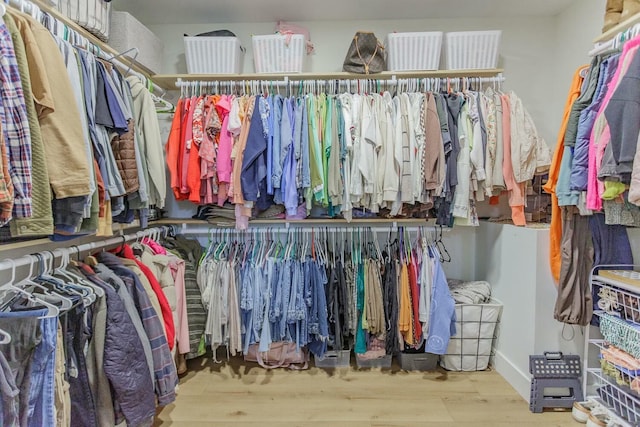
(213, 55)
(278, 54)
(92, 15)
(472, 49)
(413, 51)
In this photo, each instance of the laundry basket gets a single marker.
(276, 53)
(413, 51)
(472, 49)
(471, 348)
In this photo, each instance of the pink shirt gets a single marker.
(182, 324)
(516, 196)
(224, 145)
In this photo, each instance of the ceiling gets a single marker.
(152, 12)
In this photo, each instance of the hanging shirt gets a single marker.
(442, 324)
(15, 126)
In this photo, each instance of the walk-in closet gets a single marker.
(286, 213)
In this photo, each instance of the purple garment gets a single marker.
(270, 136)
(125, 364)
(580, 162)
(165, 376)
(289, 190)
(108, 112)
(289, 166)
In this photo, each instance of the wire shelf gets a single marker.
(618, 293)
(624, 404)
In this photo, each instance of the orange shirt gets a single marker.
(172, 149)
(555, 237)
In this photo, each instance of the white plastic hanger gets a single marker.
(5, 337)
(52, 310)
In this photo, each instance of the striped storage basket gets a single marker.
(279, 54)
(92, 15)
(413, 51)
(472, 49)
(213, 55)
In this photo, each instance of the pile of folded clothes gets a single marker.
(472, 292)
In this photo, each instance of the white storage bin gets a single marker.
(278, 54)
(470, 349)
(472, 49)
(213, 55)
(413, 51)
(127, 32)
(92, 15)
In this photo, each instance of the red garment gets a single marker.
(167, 315)
(415, 301)
(172, 149)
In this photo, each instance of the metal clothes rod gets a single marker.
(333, 85)
(6, 265)
(305, 229)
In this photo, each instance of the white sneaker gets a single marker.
(582, 410)
(598, 419)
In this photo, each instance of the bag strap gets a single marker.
(262, 363)
(366, 64)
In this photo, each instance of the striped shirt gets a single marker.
(15, 126)
(166, 377)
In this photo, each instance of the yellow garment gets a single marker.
(613, 189)
(62, 400)
(405, 321)
(555, 238)
(61, 128)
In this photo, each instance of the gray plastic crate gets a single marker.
(418, 361)
(382, 362)
(334, 359)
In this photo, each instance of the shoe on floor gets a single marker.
(582, 410)
(598, 419)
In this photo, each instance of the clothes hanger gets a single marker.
(52, 310)
(5, 337)
(62, 271)
(65, 302)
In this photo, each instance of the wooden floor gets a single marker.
(238, 394)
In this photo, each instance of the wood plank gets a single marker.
(622, 26)
(233, 393)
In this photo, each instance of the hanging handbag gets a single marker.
(365, 55)
(281, 354)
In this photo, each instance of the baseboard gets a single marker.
(519, 380)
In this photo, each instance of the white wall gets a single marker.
(576, 28)
(527, 49)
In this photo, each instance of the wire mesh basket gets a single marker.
(470, 349)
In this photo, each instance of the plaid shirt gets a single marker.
(15, 126)
(166, 377)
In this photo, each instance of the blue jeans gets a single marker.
(41, 392)
(23, 326)
(77, 333)
(10, 407)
